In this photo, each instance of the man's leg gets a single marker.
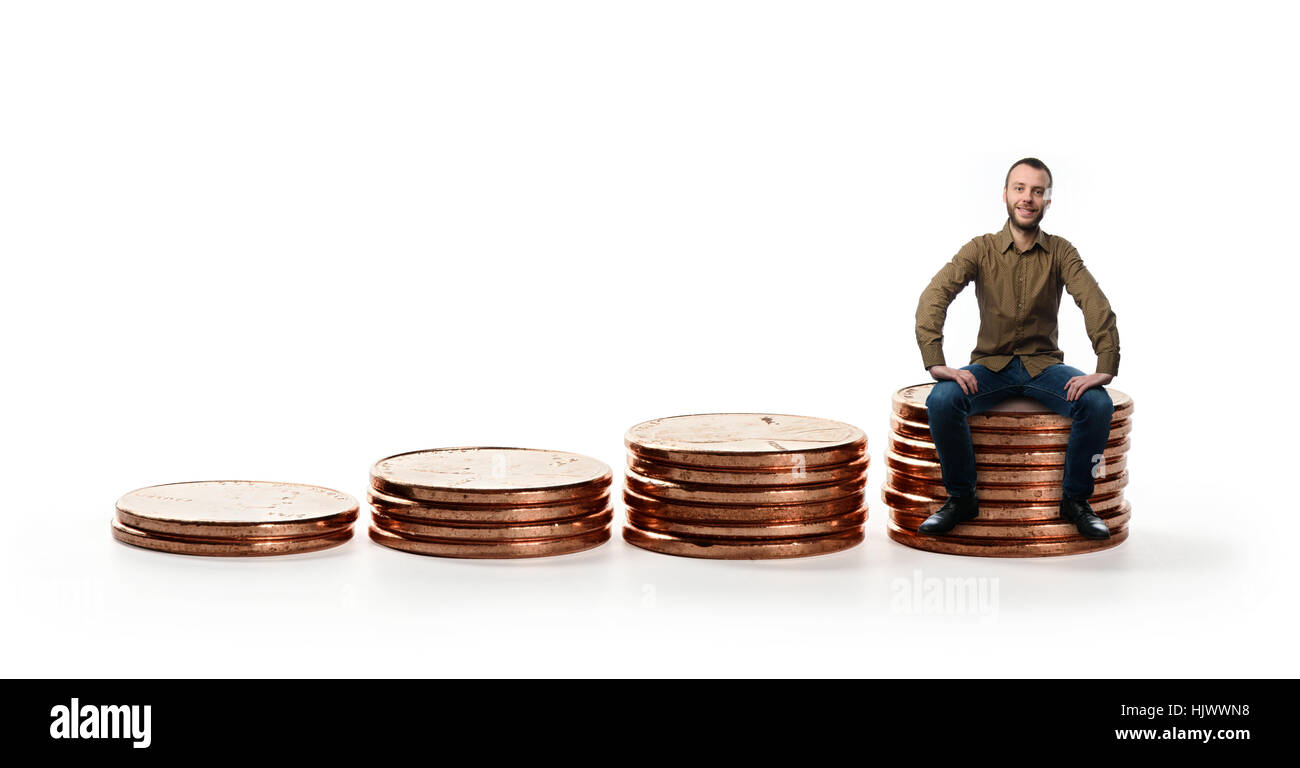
(1089, 430)
(948, 407)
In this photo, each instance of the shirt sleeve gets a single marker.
(932, 309)
(1098, 318)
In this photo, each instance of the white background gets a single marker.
(274, 240)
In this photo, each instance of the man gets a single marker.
(1019, 274)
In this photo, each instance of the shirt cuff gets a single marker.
(932, 356)
(1108, 362)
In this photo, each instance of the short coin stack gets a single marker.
(1020, 461)
(745, 486)
(490, 502)
(234, 518)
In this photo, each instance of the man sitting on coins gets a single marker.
(1019, 274)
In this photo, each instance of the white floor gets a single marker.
(1187, 595)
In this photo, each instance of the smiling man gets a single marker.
(1019, 274)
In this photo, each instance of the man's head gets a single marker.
(1027, 192)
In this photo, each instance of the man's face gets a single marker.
(1027, 196)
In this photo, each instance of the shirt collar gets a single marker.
(1004, 239)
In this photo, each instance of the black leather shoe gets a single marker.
(954, 510)
(1078, 512)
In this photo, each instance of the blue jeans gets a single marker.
(948, 408)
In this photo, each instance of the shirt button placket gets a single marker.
(1020, 300)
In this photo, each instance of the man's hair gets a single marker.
(1032, 162)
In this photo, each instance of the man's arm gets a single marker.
(1098, 320)
(932, 309)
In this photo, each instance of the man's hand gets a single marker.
(1076, 386)
(964, 379)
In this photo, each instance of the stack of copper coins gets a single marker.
(490, 502)
(745, 486)
(234, 518)
(1020, 462)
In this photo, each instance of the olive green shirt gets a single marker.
(1019, 296)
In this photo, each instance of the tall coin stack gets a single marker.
(745, 486)
(1020, 462)
(234, 518)
(490, 502)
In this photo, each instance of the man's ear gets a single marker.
(1004, 194)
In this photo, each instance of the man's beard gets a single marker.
(1033, 223)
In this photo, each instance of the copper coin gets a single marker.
(507, 476)
(746, 440)
(236, 509)
(1023, 413)
(743, 514)
(1003, 492)
(990, 438)
(185, 545)
(408, 526)
(758, 549)
(485, 513)
(519, 548)
(1015, 412)
(909, 402)
(734, 496)
(1011, 439)
(995, 548)
(912, 430)
(916, 504)
(997, 529)
(1070, 535)
(1001, 458)
(931, 470)
(742, 530)
(787, 476)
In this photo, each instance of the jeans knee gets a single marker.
(1096, 404)
(946, 399)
